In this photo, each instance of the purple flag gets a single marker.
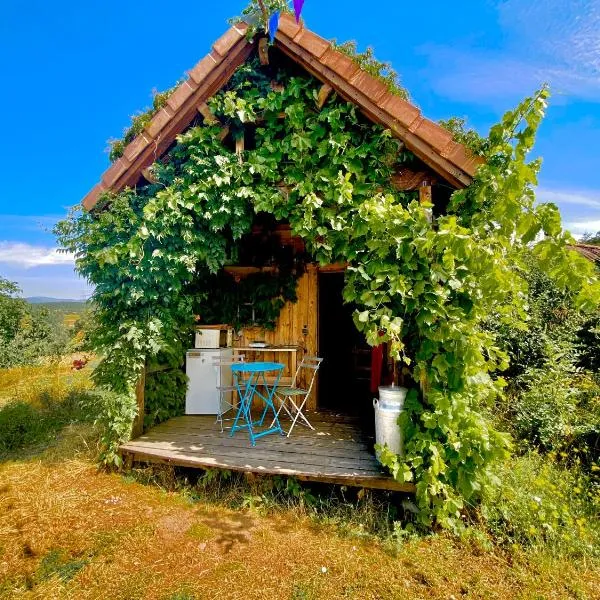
(273, 25)
(298, 4)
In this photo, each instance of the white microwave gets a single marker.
(213, 336)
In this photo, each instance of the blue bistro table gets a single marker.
(257, 376)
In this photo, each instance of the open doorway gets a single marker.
(345, 376)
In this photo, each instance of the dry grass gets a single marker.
(55, 378)
(69, 531)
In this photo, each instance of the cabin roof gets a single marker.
(590, 251)
(427, 140)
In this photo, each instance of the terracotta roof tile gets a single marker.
(91, 198)
(181, 94)
(403, 111)
(342, 64)
(590, 251)
(137, 146)
(460, 155)
(115, 171)
(289, 26)
(203, 68)
(159, 120)
(375, 89)
(311, 42)
(230, 38)
(435, 135)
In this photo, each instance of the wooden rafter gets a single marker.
(263, 51)
(209, 117)
(324, 94)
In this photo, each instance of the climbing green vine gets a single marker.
(425, 287)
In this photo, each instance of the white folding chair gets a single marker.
(226, 392)
(294, 398)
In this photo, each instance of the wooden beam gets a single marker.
(240, 145)
(426, 197)
(425, 194)
(209, 117)
(334, 268)
(263, 51)
(324, 94)
(138, 423)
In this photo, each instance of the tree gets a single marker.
(12, 310)
(591, 238)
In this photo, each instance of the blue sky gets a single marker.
(73, 72)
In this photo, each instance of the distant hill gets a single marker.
(49, 300)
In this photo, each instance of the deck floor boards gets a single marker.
(337, 452)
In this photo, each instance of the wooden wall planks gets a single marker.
(297, 325)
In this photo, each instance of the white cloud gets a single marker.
(576, 198)
(578, 228)
(554, 41)
(28, 256)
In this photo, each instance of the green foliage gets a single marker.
(24, 425)
(543, 505)
(552, 321)
(588, 344)
(591, 238)
(115, 412)
(164, 396)
(424, 287)
(58, 563)
(139, 122)
(554, 408)
(27, 332)
(254, 301)
(257, 14)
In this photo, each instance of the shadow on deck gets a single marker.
(337, 452)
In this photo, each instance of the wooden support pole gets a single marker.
(425, 194)
(324, 93)
(426, 197)
(263, 51)
(208, 114)
(240, 145)
(138, 423)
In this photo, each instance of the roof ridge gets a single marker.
(433, 144)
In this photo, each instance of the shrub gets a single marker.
(588, 344)
(21, 426)
(164, 396)
(543, 505)
(26, 424)
(556, 409)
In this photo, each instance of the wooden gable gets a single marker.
(428, 141)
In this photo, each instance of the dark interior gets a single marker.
(345, 375)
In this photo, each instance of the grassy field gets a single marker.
(68, 530)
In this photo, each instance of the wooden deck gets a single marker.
(337, 452)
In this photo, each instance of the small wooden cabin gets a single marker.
(318, 323)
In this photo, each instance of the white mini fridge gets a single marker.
(202, 397)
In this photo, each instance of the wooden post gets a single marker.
(263, 51)
(138, 423)
(240, 145)
(426, 197)
(324, 93)
(425, 194)
(208, 114)
(312, 323)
